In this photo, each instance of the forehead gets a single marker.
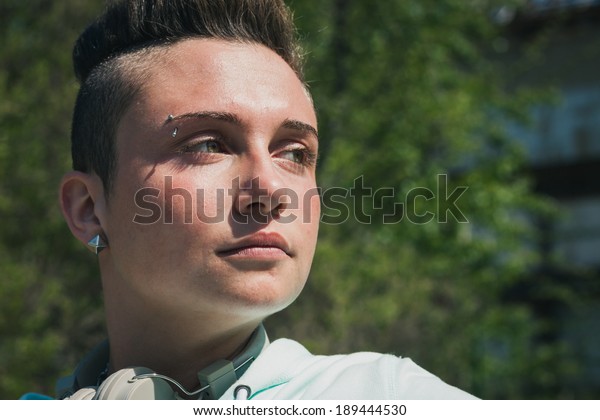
(217, 75)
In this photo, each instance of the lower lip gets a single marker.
(256, 252)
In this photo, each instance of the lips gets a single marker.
(262, 244)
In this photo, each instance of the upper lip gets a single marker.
(259, 240)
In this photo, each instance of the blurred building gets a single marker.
(563, 145)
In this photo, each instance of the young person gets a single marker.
(194, 144)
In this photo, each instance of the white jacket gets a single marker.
(286, 370)
(283, 369)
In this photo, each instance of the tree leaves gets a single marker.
(405, 91)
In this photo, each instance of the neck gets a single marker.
(181, 361)
(172, 344)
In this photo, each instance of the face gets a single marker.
(214, 207)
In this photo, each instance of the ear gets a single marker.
(83, 204)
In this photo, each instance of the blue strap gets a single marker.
(35, 396)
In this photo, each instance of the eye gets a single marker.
(300, 156)
(203, 146)
(296, 155)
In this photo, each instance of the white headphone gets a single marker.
(125, 385)
(140, 383)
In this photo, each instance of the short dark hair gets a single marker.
(111, 57)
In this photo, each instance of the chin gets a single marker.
(264, 298)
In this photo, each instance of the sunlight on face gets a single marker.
(231, 211)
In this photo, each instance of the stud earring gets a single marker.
(97, 243)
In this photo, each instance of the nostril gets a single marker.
(260, 213)
(277, 210)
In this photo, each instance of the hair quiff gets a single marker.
(109, 54)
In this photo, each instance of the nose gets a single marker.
(259, 190)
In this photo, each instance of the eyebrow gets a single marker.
(304, 128)
(212, 115)
(228, 117)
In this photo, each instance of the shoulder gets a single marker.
(286, 370)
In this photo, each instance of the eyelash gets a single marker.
(188, 147)
(307, 158)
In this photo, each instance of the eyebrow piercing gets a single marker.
(170, 118)
(174, 132)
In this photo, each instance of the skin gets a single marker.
(182, 295)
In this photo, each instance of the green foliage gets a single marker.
(49, 293)
(405, 90)
(408, 90)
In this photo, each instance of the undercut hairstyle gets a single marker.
(113, 56)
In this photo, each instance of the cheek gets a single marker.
(186, 201)
(309, 218)
(311, 209)
(178, 201)
(315, 215)
(316, 206)
(211, 205)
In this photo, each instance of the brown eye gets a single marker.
(207, 146)
(211, 146)
(296, 155)
(299, 156)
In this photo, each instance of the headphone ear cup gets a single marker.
(121, 385)
(108, 389)
(87, 393)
